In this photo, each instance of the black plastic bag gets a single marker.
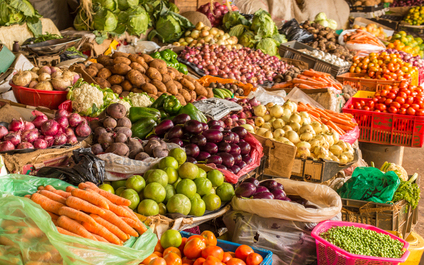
(293, 31)
(84, 167)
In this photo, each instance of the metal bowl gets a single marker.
(52, 46)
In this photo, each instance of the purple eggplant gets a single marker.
(261, 189)
(193, 127)
(176, 141)
(244, 147)
(227, 159)
(175, 132)
(213, 136)
(263, 195)
(192, 150)
(210, 148)
(224, 147)
(191, 160)
(217, 127)
(203, 155)
(221, 166)
(240, 131)
(269, 184)
(253, 181)
(214, 159)
(199, 140)
(163, 127)
(181, 119)
(245, 189)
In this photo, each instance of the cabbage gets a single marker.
(20, 11)
(323, 23)
(332, 24)
(137, 20)
(247, 39)
(232, 19)
(280, 38)
(321, 16)
(236, 31)
(79, 23)
(125, 4)
(268, 46)
(111, 5)
(174, 8)
(263, 25)
(104, 20)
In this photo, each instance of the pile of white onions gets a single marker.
(312, 139)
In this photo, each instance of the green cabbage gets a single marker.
(247, 39)
(323, 23)
(125, 4)
(321, 16)
(232, 19)
(236, 30)
(111, 5)
(174, 8)
(268, 46)
(137, 20)
(263, 25)
(279, 38)
(332, 24)
(19, 12)
(79, 23)
(104, 20)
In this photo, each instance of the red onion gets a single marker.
(6, 146)
(69, 132)
(28, 125)
(72, 139)
(16, 125)
(40, 144)
(63, 122)
(25, 145)
(3, 131)
(49, 139)
(39, 120)
(13, 137)
(29, 135)
(83, 130)
(60, 139)
(62, 113)
(50, 128)
(74, 119)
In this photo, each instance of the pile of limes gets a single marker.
(175, 186)
(415, 16)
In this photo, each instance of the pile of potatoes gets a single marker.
(125, 73)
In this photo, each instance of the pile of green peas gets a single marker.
(360, 241)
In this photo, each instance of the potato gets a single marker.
(160, 65)
(178, 84)
(190, 78)
(135, 78)
(121, 69)
(171, 87)
(147, 58)
(154, 96)
(103, 59)
(200, 90)
(149, 88)
(124, 94)
(109, 62)
(166, 78)
(116, 89)
(153, 73)
(210, 92)
(126, 85)
(159, 85)
(148, 80)
(116, 79)
(97, 65)
(133, 57)
(92, 71)
(103, 83)
(185, 94)
(181, 99)
(177, 75)
(122, 60)
(138, 67)
(186, 83)
(104, 73)
(171, 74)
(137, 90)
(192, 93)
(120, 54)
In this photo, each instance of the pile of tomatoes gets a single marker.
(383, 66)
(403, 99)
(201, 250)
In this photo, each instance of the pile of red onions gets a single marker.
(416, 60)
(43, 132)
(215, 15)
(245, 65)
(406, 3)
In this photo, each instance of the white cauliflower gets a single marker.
(140, 100)
(84, 97)
(123, 102)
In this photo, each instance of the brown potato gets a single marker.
(133, 57)
(153, 96)
(171, 74)
(92, 71)
(181, 99)
(120, 54)
(122, 60)
(185, 94)
(126, 85)
(103, 59)
(81, 65)
(149, 88)
(186, 83)
(116, 89)
(166, 78)
(177, 75)
(160, 65)
(102, 82)
(140, 60)
(159, 85)
(104, 73)
(124, 94)
(210, 92)
(171, 87)
(200, 90)
(137, 90)
(192, 93)
(178, 84)
(116, 79)
(109, 62)
(121, 69)
(190, 78)
(97, 65)
(153, 73)
(138, 67)
(147, 58)
(136, 78)
(148, 80)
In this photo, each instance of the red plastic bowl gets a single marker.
(36, 98)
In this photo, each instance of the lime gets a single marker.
(107, 187)
(170, 191)
(162, 208)
(147, 173)
(154, 191)
(188, 171)
(225, 192)
(212, 201)
(148, 207)
(131, 195)
(159, 176)
(198, 207)
(212, 191)
(187, 187)
(179, 155)
(202, 173)
(136, 183)
(176, 183)
(120, 190)
(171, 238)
(197, 195)
(203, 186)
(216, 177)
(179, 203)
(168, 161)
(172, 174)
(117, 184)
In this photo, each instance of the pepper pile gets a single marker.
(170, 57)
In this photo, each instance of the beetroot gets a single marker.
(6, 146)
(29, 125)
(72, 139)
(40, 144)
(29, 135)
(74, 119)
(13, 137)
(25, 145)
(39, 120)
(16, 125)
(63, 122)
(62, 113)
(3, 131)
(83, 129)
(60, 139)
(50, 128)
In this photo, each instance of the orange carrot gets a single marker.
(59, 192)
(76, 215)
(103, 232)
(53, 216)
(304, 86)
(91, 185)
(102, 239)
(90, 197)
(69, 188)
(282, 85)
(66, 232)
(141, 228)
(28, 196)
(83, 186)
(74, 227)
(46, 203)
(40, 188)
(112, 228)
(112, 207)
(114, 219)
(82, 205)
(114, 198)
(306, 82)
(53, 196)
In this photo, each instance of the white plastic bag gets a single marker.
(263, 96)
(369, 48)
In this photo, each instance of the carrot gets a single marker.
(306, 82)
(7, 241)
(334, 127)
(112, 228)
(38, 255)
(112, 207)
(114, 219)
(53, 196)
(90, 197)
(82, 205)
(69, 188)
(133, 216)
(40, 188)
(114, 198)
(28, 196)
(59, 192)
(103, 232)
(344, 127)
(31, 232)
(46, 203)
(341, 121)
(76, 215)
(282, 85)
(74, 227)
(304, 86)
(53, 216)
(131, 222)
(83, 186)
(66, 232)
(91, 185)
(102, 239)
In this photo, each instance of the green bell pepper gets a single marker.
(159, 102)
(137, 113)
(143, 127)
(167, 54)
(156, 55)
(193, 112)
(171, 105)
(163, 114)
(182, 68)
(173, 55)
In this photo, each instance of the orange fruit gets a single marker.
(254, 259)
(158, 247)
(197, 236)
(183, 242)
(235, 261)
(228, 256)
(193, 248)
(210, 238)
(158, 261)
(147, 260)
(243, 251)
(213, 251)
(159, 254)
(173, 250)
(188, 261)
(211, 260)
(199, 261)
(173, 259)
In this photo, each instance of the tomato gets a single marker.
(235, 261)
(415, 106)
(395, 104)
(147, 260)
(173, 250)
(243, 251)
(401, 100)
(380, 107)
(417, 100)
(211, 260)
(159, 254)
(188, 261)
(157, 261)
(387, 87)
(420, 112)
(357, 105)
(388, 101)
(371, 104)
(393, 110)
(382, 100)
(403, 84)
(376, 99)
(210, 238)
(402, 111)
(228, 256)
(410, 111)
(183, 242)
(377, 110)
(366, 108)
(384, 93)
(409, 100)
(173, 259)
(391, 95)
(254, 259)
(158, 247)
(362, 103)
(214, 251)
(193, 248)
(394, 91)
(199, 261)
(414, 93)
(406, 106)
(402, 94)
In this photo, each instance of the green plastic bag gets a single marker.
(22, 241)
(370, 184)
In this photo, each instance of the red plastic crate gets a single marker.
(387, 128)
(359, 81)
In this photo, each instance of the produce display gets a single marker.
(416, 60)
(397, 3)
(46, 78)
(407, 43)
(374, 30)
(371, 2)
(329, 58)
(360, 36)
(415, 16)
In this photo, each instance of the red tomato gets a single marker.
(393, 110)
(405, 106)
(388, 101)
(366, 108)
(376, 99)
(410, 111)
(377, 110)
(402, 94)
(395, 104)
(384, 93)
(403, 85)
(380, 107)
(409, 100)
(371, 104)
(362, 102)
(394, 90)
(357, 105)
(391, 95)
(414, 93)
(400, 100)
(417, 100)
(420, 112)
(382, 100)
(415, 106)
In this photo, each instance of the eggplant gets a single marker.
(227, 159)
(198, 140)
(253, 181)
(263, 195)
(236, 169)
(213, 136)
(244, 147)
(191, 160)
(261, 189)
(214, 159)
(193, 127)
(163, 127)
(192, 150)
(247, 159)
(224, 147)
(242, 164)
(176, 141)
(181, 119)
(175, 132)
(221, 166)
(240, 131)
(235, 149)
(279, 194)
(213, 123)
(269, 184)
(203, 155)
(245, 189)
(210, 148)
(217, 127)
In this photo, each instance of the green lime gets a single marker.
(162, 208)
(172, 174)
(107, 187)
(170, 191)
(159, 176)
(120, 190)
(147, 173)
(202, 173)
(198, 207)
(187, 187)
(225, 192)
(212, 191)
(197, 195)
(179, 203)
(119, 183)
(212, 201)
(176, 183)
(203, 186)
(136, 183)
(168, 161)
(131, 195)
(154, 191)
(148, 207)
(216, 177)
(179, 155)
(188, 171)
(171, 238)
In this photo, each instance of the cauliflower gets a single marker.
(84, 98)
(140, 99)
(399, 170)
(123, 102)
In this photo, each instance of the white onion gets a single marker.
(278, 124)
(279, 133)
(293, 137)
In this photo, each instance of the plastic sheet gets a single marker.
(364, 48)
(294, 32)
(264, 96)
(28, 234)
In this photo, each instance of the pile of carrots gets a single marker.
(339, 122)
(89, 212)
(310, 79)
(362, 37)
